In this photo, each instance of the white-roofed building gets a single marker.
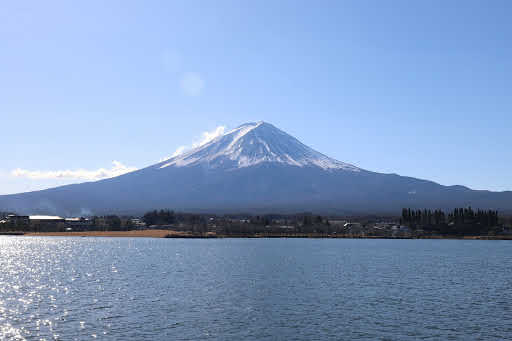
(46, 222)
(46, 219)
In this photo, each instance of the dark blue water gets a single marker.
(254, 289)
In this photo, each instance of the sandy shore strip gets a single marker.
(183, 234)
(135, 233)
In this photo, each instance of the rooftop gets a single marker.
(45, 217)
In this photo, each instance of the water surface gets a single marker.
(254, 289)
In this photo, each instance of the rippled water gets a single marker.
(254, 289)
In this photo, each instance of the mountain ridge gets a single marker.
(255, 167)
(253, 143)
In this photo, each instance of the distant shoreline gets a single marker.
(212, 235)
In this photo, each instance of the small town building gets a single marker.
(354, 228)
(78, 223)
(138, 223)
(36, 219)
(337, 222)
(18, 220)
(46, 221)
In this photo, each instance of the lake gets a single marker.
(254, 289)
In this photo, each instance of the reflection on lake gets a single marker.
(254, 289)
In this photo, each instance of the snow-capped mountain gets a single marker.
(253, 168)
(252, 144)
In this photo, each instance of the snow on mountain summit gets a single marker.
(251, 144)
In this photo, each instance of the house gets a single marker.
(379, 230)
(400, 231)
(78, 222)
(354, 227)
(35, 219)
(18, 220)
(46, 221)
(337, 222)
(138, 223)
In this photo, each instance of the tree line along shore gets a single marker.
(464, 223)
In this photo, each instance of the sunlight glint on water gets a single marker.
(232, 289)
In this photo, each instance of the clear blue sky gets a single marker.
(417, 88)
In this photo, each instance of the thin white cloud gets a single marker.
(206, 137)
(180, 150)
(81, 174)
(192, 83)
(117, 167)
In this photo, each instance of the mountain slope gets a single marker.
(253, 168)
(254, 143)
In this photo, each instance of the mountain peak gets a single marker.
(224, 175)
(251, 144)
